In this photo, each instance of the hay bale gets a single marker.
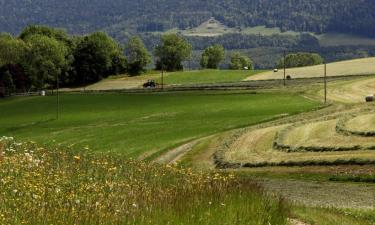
(370, 98)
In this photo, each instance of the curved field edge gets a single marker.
(363, 66)
(359, 157)
(359, 125)
(327, 135)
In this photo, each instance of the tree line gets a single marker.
(42, 57)
(117, 16)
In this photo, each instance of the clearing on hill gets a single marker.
(365, 66)
(210, 28)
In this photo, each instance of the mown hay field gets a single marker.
(353, 91)
(363, 123)
(255, 148)
(365, 66)
(324, 134)
(312, 139)
(41, 185)
(140, 125)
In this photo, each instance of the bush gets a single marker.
(212, 57)
(300, 60)
(239, 62)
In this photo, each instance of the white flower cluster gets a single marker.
(10, 144)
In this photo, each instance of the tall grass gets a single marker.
(42, 185)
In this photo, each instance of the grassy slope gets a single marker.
(186, 77)
(364, 123)
(334, 39)
(140, 123)
(207, 76)
(352, 91)
(349, 67)
(324, 134)
(62, 186)
(330, 216)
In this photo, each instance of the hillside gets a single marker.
(365, 66)
(117, 16)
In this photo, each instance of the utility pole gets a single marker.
(162, 73)
(284, 68)
(57, 97)
(325, 83)
(84, 82)
(162, 77)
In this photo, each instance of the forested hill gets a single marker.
(115, 16)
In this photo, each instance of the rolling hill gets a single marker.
(365, 66)
(117, 16)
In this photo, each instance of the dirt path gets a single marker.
(296, 222)
(173, 155)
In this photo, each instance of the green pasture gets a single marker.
(139, 124)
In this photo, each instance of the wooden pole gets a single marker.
(284, 68)
(325, 83)
(57, 97)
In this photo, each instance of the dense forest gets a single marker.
(118, 16)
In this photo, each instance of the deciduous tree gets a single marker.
(137, 56)
(172, 51)
(212, 57)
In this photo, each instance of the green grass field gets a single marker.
(207, 76)
(137, 124)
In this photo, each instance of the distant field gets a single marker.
(207, 76)
(172, 78)
(349, 67)
(212, 28)
(140, 124)
(332, 39)
(263, 30)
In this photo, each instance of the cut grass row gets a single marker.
(363, 125)
(255, 149)
(140, 125)
(321, 136)
(310, 143)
